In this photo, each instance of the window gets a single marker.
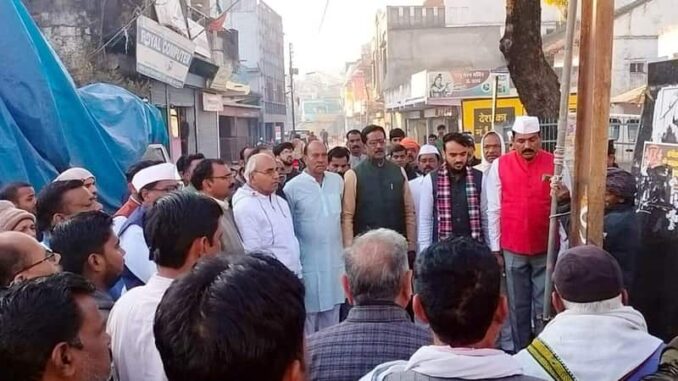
(637, 67)
(633, 126)
(614, 129)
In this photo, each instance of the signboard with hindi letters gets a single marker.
(477, 115)
(162, 54)
(444, 87)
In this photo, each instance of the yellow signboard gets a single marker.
(477, 114)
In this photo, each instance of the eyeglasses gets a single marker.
(50, 256)
(269, 172)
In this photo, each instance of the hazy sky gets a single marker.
(348, 25)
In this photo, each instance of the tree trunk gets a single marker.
(537, 84)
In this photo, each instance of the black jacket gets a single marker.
(622, 239)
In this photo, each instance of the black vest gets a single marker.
(379, 198)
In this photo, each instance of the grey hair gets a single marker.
(599, 307)
(375, 265)
(251, 166)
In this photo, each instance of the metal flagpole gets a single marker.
(559, 155)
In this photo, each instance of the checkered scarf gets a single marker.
(444, 204)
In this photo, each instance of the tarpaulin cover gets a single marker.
(47, 125)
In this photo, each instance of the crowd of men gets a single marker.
(382, 260)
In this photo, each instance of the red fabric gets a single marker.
(525, 202)
(127, 209)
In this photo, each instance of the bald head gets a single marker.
(18, 251)
(261, 173)
(377, 269)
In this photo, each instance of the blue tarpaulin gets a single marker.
(47, 125)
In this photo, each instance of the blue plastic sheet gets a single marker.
(47, 125)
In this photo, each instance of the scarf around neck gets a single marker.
(444, 204)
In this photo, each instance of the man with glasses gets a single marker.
(264, 218)
(151, 184)
(213, 178)
(377, 195)
(23, 258)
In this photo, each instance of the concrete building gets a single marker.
(414, 49)
(262, 51)
(191, 104)
(644, 31)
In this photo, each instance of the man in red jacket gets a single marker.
(518, 195)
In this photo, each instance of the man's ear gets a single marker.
(418, 309)
(347, 288)
(296, 371)
(62, 361)
(625, 297)
(58, 218)
(557, 302)
(96, 262)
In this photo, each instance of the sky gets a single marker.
(347, 26)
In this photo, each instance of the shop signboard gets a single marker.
(161, 53)
(446, 87)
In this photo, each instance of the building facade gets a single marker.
(111, 42)
(262, 52)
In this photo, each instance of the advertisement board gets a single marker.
(162, 54)
(444, 87)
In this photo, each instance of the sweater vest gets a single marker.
(379, 198)
(525, 202)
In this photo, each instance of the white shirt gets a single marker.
(423, 201)
(490, 204)
(130, 326)
(265, 224)
(118, 223)
(136, 253)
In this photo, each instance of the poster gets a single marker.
(446, 86)
(665, 119)
(656, 169)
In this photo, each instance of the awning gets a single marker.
(635, 96)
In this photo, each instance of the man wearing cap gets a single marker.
(151, 184)
(450, 197)
(518, 196)
(15, 219)
(428, 161)
(594, 336)
(621, 226)
(77, 173)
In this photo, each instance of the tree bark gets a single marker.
(536, 81)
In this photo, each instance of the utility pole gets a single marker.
(559, 155)
(593, 112)
(292, 72)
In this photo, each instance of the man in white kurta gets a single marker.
(428, 160)
(314, 198)
(130, 323)
(263, 218)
